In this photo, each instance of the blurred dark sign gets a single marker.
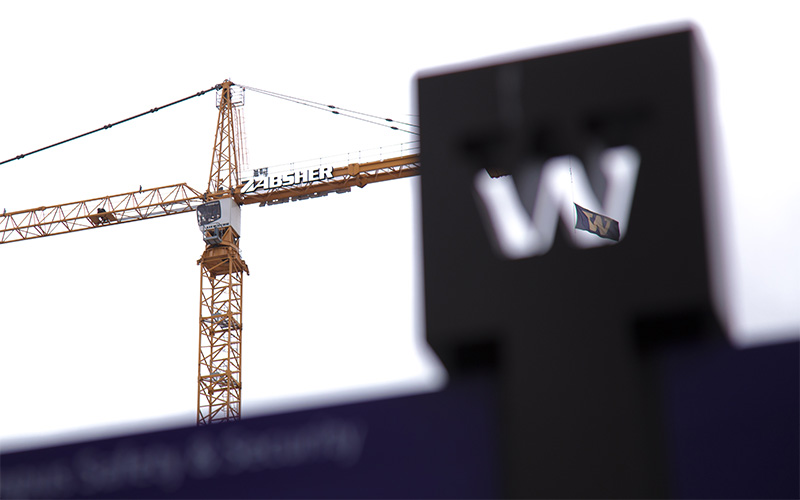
(580, 416)
(404, 447)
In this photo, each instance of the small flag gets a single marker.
(602, 226)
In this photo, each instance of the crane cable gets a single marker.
(106, 127)
(375, 120)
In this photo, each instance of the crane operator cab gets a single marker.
(213, 217)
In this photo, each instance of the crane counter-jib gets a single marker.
(263, 190)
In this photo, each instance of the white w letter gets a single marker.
(518, 233)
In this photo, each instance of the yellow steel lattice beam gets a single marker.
(219, 380)
(98, 212)
(219, 372)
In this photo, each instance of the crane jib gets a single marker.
(284, 179)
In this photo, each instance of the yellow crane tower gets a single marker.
(222, 267)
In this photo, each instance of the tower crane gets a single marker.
(218, 209)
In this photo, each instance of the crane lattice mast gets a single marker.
(219, 378)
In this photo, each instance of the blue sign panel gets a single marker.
(431, 445)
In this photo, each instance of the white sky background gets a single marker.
(99, 328)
